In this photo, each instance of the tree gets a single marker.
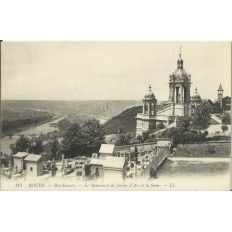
(64, 124)
(123, 139)
(82, 139)
(226, 119)
(36, 147)
(225, 128)
(201, 118)
(54, 146)
(184, 123)
(94, 135)
(21, 145)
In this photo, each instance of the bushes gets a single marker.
(184, 137)
(218, 138)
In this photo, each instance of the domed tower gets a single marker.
(179, 90)
(195, 101)
(149, 103)
(145, 121)
(220, 94)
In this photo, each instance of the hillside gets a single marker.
(126, 119)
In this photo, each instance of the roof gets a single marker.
(114, 162)
(97, 161)
(180, 72)
(33, 158)
(196, 95)
(107, 148)
(220, 87)
(150, 95)
(20, 155)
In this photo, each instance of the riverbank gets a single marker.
(36, 131)
(28, 126)
(202, 150)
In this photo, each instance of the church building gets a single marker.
(179, 103)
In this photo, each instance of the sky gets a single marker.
(110, 70)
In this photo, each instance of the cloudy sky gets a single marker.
(109, 70)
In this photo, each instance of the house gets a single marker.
(34, 165)
(115, 168)
(107, 165)
(18, 160)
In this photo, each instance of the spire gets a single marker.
(220, 88)
(196, 90)
(149, 88)
(180, 61)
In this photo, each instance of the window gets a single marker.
(31, 169)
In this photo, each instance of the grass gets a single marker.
(222, 150)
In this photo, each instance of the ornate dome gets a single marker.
(196, 96)
(180, 72)
(150, 95)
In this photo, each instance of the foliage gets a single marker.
(13, 120)
(201, 118)
(21, 145)
(226, 119)
(123, 138)
(216, 108)
(225, 128)
(54, 146)
(64, 124)
(36, 147)
(184, 123)
(82, 139)
(24, 144)
(180, 136)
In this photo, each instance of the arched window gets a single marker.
(31, 169)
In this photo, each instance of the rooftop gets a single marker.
(97, 161)
(107, 148)
(20, 155)
(114, 162)
(33, 158)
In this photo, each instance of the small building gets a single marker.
(18, 160)
(107, 165)
(107, 150)
(115, 168)
(34, 165)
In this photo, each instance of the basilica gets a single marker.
(180, 104)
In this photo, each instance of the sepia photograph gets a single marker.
(115, 116)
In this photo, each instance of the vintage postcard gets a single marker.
(115, 116)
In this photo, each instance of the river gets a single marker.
(195, 173)
(36, 131)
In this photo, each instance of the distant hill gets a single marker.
(125, 119)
